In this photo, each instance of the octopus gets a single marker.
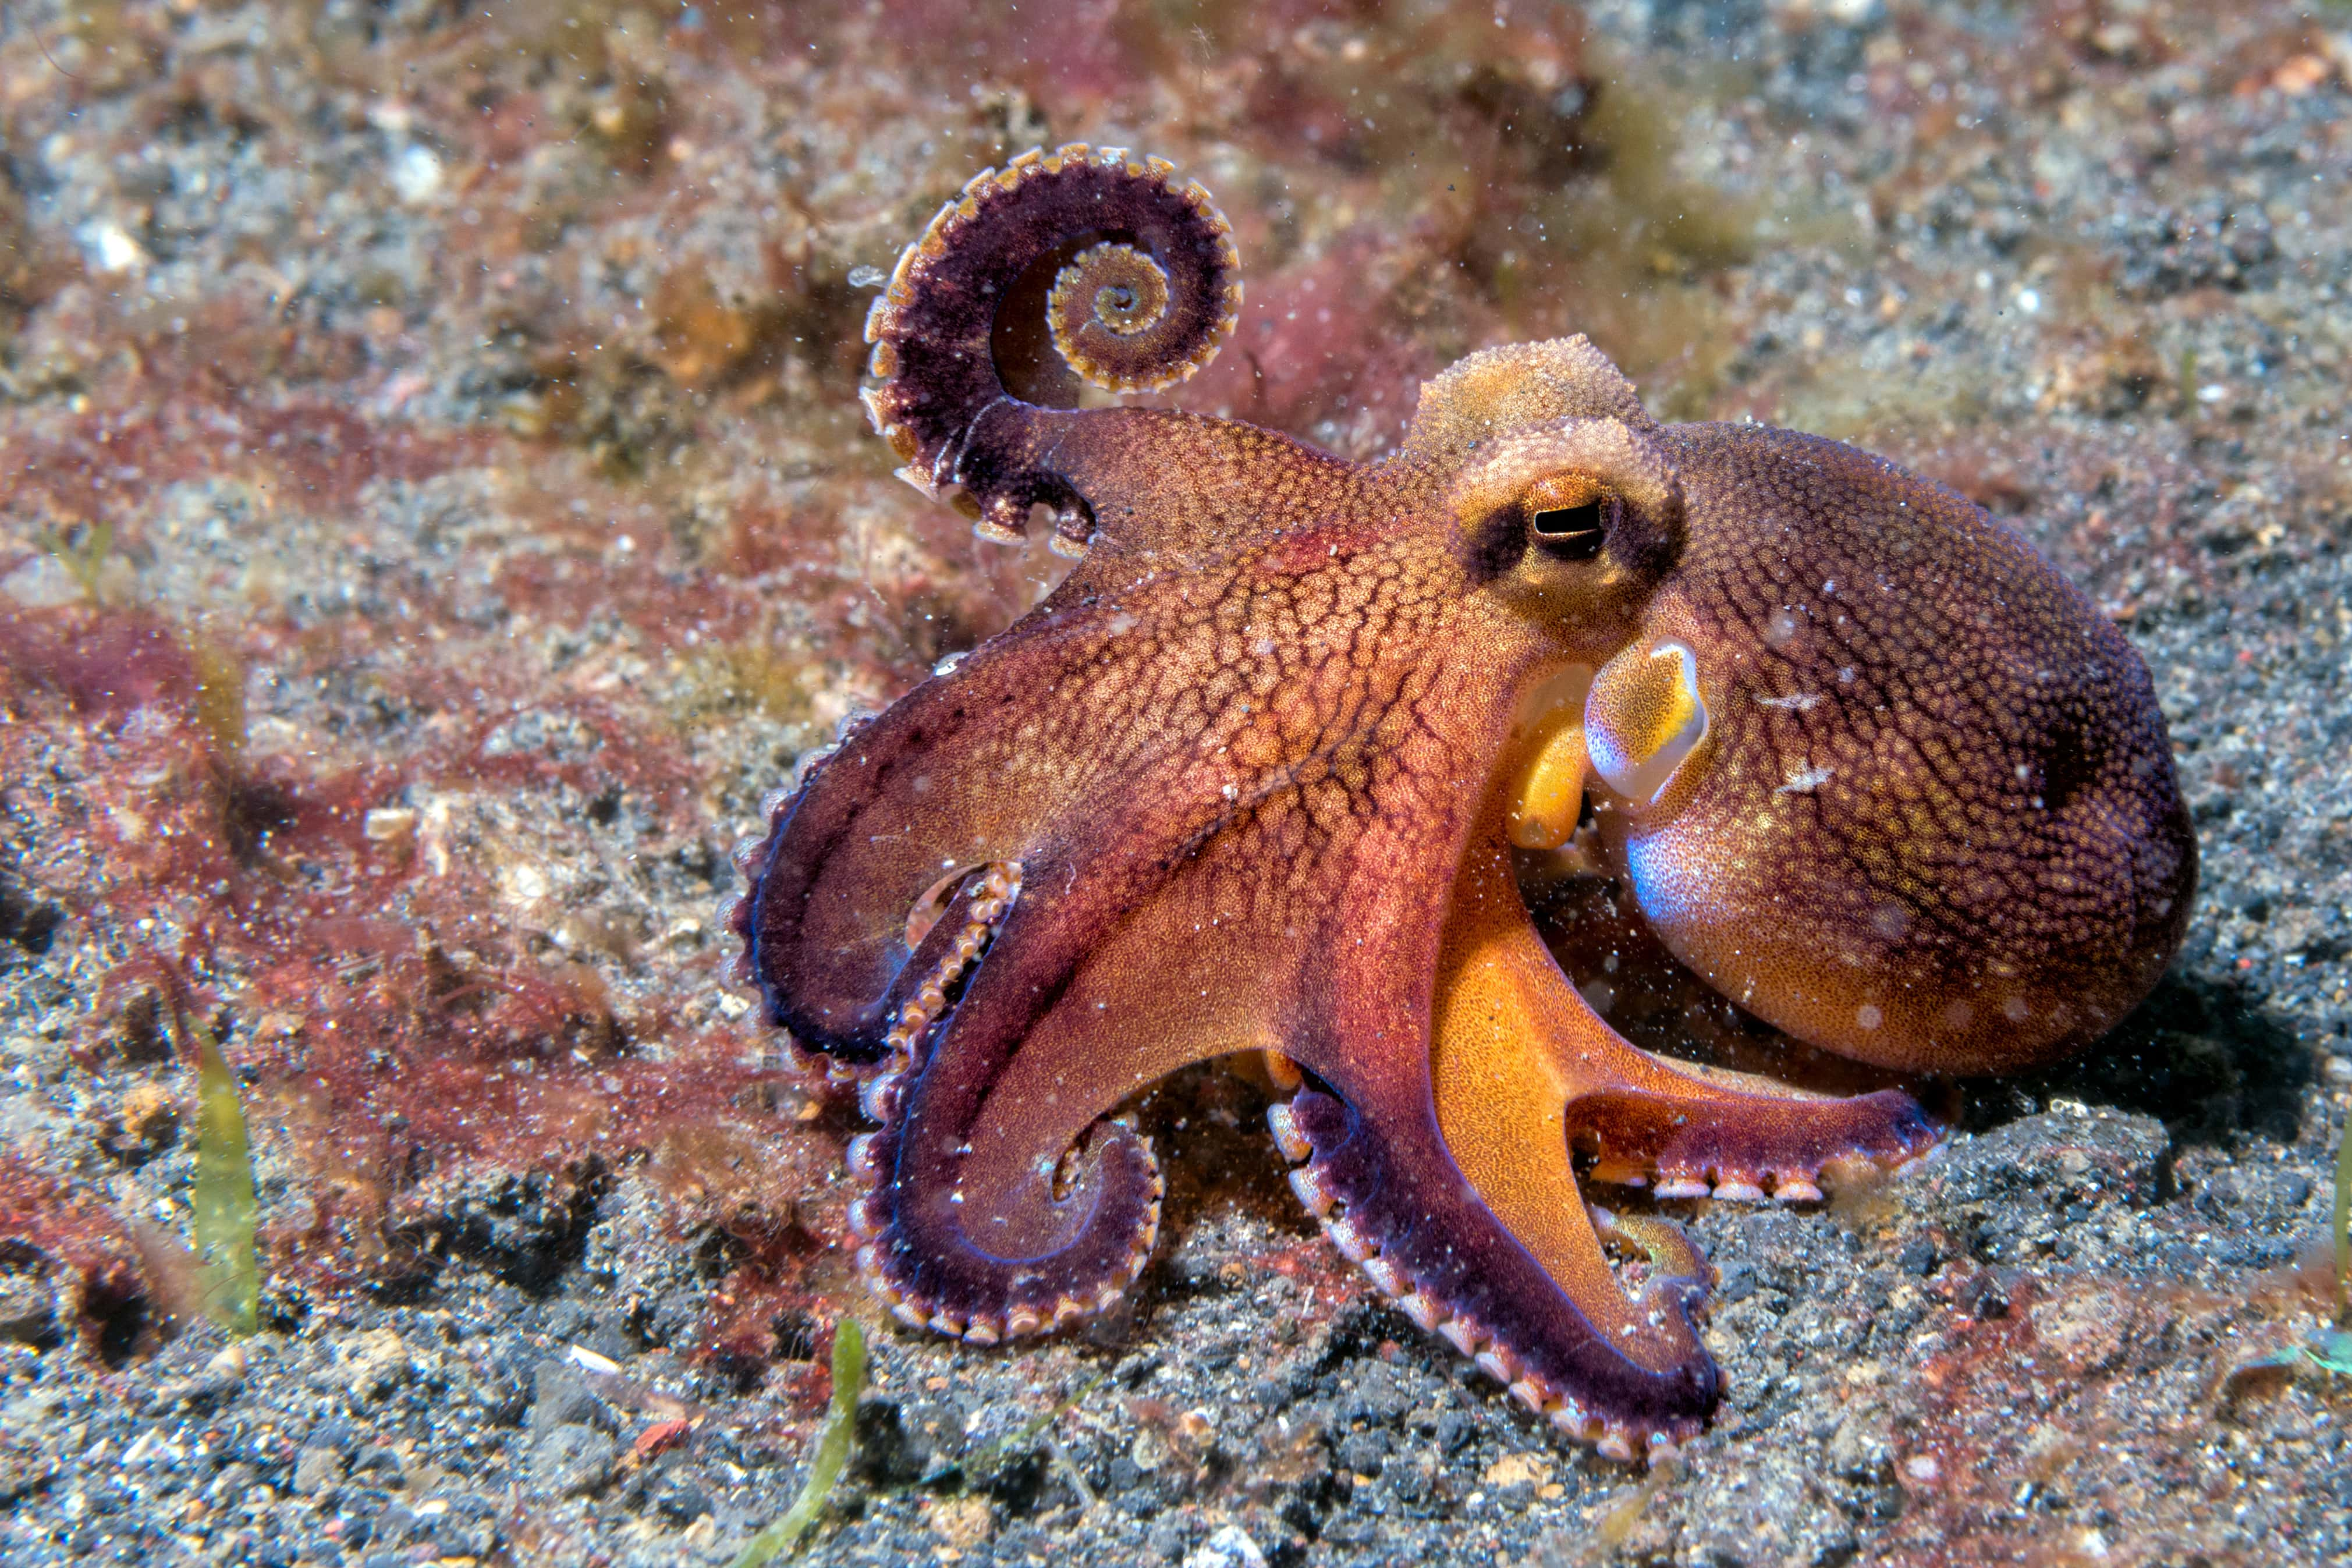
(1258, 779)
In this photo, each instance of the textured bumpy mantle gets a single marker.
(1255, 776)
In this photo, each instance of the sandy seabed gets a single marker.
(434, 509)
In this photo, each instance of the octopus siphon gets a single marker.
(1253, 779)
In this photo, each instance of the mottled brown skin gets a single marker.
(1250, 779)
(1995, 858)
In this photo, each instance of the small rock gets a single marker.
(43, 583)
(25, 918)
(376, 1363)
(416, 173)
(23, 1472)
(1230, 1547)
(1166, 1536)
(681, 1502)
(379, 1465)
(503, 1382)
(1517, 1470)
(1863, 1444)
(559, 1398)
(1365, 1453)
(230, 1485)
(392, 826)
(468, 1527)
(318, 1470)
(2088, 1328)
(204, 1391)
(963, 1522)
(571, 1460)
(888, 1453)
(28, 1309)
(141, 1126)
(1985, 1295)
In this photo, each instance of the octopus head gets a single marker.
(1872, 768)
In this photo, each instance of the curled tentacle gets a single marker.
(1143, 306)
(932, 789)
(918, 1245)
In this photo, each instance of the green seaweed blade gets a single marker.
(226, 1210)
(2344, 1223)
(832, 1452)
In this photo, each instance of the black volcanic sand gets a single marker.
(433, 508)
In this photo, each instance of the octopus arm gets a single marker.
(1004, 1203)
(962, 773)
(1453, 1178)
(1144, 288)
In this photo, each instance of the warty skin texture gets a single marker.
(1250, 780)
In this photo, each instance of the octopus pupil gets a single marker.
(1571, 532)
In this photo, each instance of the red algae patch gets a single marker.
(402, 982)
(103, 1287)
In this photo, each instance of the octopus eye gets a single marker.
(1562, 521)
(1643, 718)
(1569, 516)
(1571, 532)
